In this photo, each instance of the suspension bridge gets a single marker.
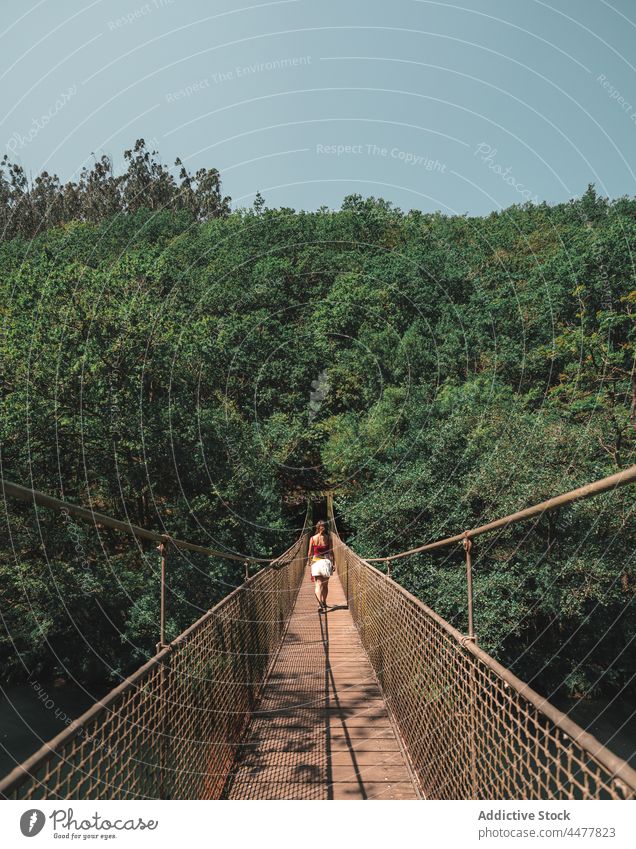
(265, 698)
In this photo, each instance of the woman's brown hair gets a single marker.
(322, 524)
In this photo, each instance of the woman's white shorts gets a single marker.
(322, 568)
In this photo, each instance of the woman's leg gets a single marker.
(318, 589)
(324, 589)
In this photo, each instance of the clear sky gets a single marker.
(463, 106)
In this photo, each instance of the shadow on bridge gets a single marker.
(322, 729)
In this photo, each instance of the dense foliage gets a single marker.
(435, 371)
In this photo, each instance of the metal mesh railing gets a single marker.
(171, 730)
(472, 729)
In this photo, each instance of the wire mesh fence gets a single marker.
(472, 729)
(171, 730)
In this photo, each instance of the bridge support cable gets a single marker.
(622, 478)
(100, 520)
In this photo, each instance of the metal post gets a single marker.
(163, 726)
(388, 568)
(473, 734)
(247, 570)
(468, 544)
(162, 548)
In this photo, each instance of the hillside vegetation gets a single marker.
(200, 372)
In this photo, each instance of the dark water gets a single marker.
(26, 721)
(611, 721)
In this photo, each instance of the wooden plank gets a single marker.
(343, 758)
(336, 733)
(325, 790)
(294, 720)
(338, 743)
(270, 773)
(371, 790)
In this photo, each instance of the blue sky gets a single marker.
(463, 107)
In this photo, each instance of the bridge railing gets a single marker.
(171, 729)
(471, 728)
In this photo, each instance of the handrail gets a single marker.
(32, 763)
(23, 493)
(615, 764)
(622, 478)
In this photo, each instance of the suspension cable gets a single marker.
(34, 496)
(622, 478)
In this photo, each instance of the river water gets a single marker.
(26, 721)
(611, 721)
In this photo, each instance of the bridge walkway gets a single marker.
(322, 729)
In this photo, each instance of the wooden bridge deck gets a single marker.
(322, 729)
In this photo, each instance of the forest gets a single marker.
(200, 370)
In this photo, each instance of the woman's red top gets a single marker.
(319, 549)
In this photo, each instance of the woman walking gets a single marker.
(321, 563)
